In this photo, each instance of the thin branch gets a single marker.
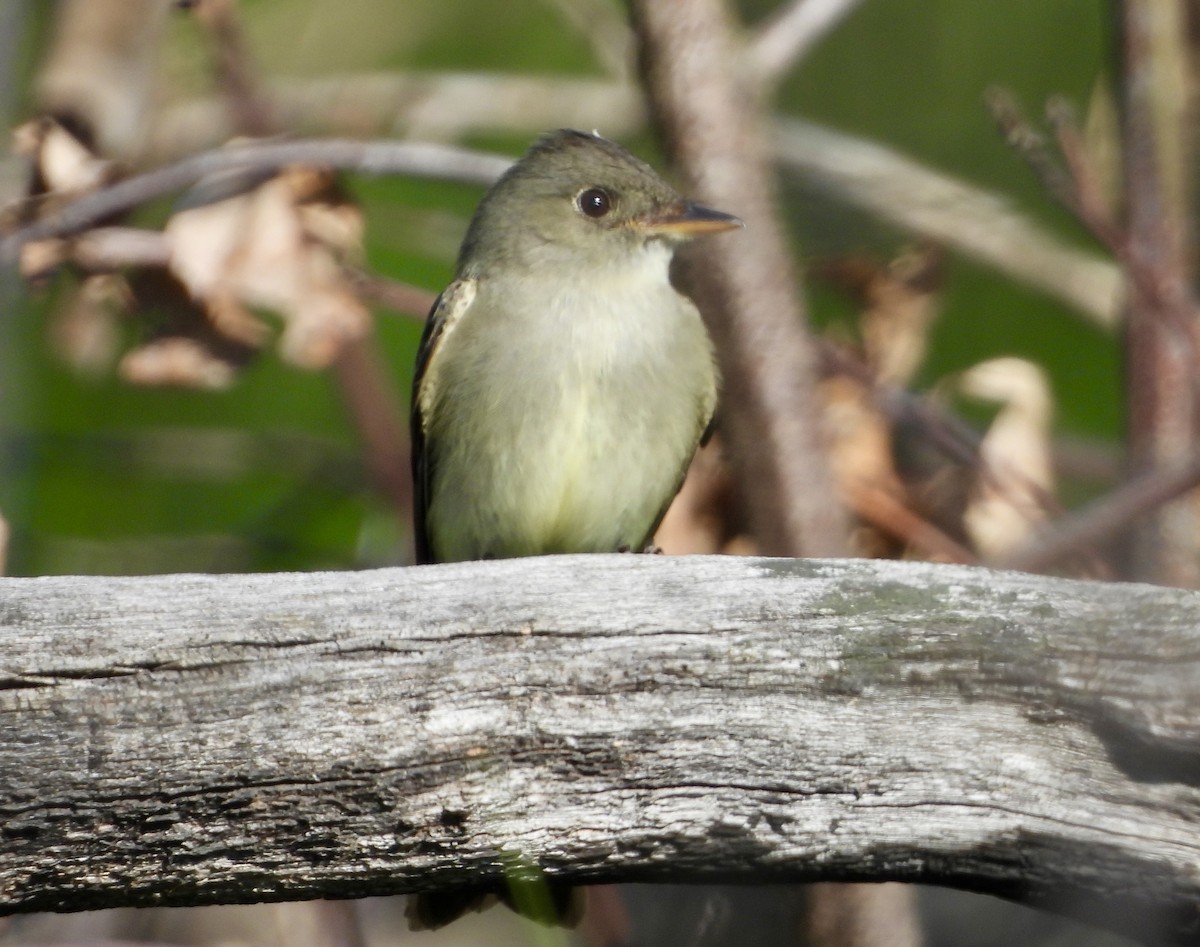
(1087, 199)
(368, 391)
(788, 36)
(251, 110)
(403, 298)
(416, 159)
(746, 280)
(1031, 145)
(105, 249)
(1103, 520)
(438, 106)
(1076, 189)
(876, 506)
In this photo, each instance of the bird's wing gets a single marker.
(443, 318)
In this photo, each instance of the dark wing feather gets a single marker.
(445, 313)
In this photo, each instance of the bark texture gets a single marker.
(195, 739)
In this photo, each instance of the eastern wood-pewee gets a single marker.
(562, 383)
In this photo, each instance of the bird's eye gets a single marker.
(595, 202)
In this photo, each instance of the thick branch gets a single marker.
(746, 282)
(1162, 352)
(189, 739)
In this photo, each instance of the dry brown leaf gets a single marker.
(741, 545)
(264, 249)
(860, 440)
(863, 454)
(860, 446)
(902, 303)
(1017, 476)
(84, 331)
(63, 163)
(899, 303)
(234, 321)
(339, 226)
(176, 361)
(39, 258)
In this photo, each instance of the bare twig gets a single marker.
(1102, 520)
(1088, 200)
(438, 106)
(250, 108)
(792, 32)
(1031, 145)
(1087, 459)
(418, 159)
(770, 416)
(401, 297)
(105, 249)
(876, 506)
(371, 401)
(1077, 189)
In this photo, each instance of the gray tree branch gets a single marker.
(199, 739)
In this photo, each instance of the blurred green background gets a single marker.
(101, 477)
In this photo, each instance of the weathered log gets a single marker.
(197, 739)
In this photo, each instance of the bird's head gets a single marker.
(576, 197)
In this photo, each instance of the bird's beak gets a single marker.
(687, 220)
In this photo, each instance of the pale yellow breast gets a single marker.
(564, 419)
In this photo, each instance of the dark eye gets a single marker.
(595, 202)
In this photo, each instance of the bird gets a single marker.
(562, 383)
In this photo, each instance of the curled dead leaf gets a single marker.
(61, 161)
(267, 249)
(178, 362)
(1016, 479)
